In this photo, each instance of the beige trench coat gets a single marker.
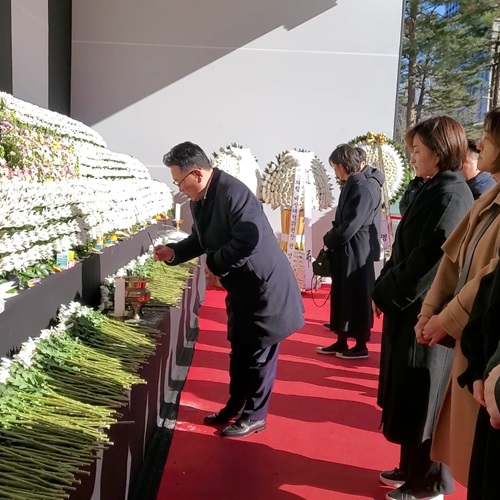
(454, 432)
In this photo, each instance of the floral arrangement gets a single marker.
(279, 177)
(34, 155)
(58, 396)
(61, 189)
(36, 225)
(240, 163)
(386, 154)
(43, 119)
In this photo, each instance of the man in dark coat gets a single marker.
(263, 302)
(478, 182)
(352, 258)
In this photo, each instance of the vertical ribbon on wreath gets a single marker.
(298, 187)
(307, 255)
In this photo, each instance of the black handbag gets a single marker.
(322, 266)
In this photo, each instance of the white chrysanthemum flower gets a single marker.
(25, 355)
(5, 370)
(278, 181)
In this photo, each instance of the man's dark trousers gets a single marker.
(252, 374)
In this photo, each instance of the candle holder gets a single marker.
(136, 295)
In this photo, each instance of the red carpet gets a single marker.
(322, 439)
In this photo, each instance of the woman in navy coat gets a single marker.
(263, 302)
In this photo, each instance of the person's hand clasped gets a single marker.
(376, 310)
(163, 253)
(422, 321)
(489, 397)
(433, 332)
(478, 391)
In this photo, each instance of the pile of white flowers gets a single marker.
(112, 192)
(240, 163)
(36, 224)
(100, 163)
(278, 181)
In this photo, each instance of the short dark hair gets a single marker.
(445, 137)
(472, 146)
(187, 155)
(492, 127)
(362, 154)
(347, 156)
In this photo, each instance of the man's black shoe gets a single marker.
(327, 325)
(222, 417)
(242, 428)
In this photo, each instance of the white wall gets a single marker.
(30, 49)
(268, 74)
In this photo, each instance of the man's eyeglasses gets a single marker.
(178, 183)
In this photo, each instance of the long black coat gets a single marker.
(263, 301)
(375, 180)
(413, 377)
(480, 345)
(352, 259)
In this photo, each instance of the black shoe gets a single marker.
(222, 417)
(243, 427)
(354, 353)
(327, 325)
(335, 348)
(403, 493)
(396, 477)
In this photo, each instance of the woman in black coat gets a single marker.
(352, 257)
(413, 377)
(480, 345)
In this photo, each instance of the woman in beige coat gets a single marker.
(475, 245)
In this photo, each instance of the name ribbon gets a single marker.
(298, 188)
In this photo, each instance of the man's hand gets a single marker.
(478, 391)
(489, 397)
(163, 253)
(433, 332)
(376, 310)
(422, 321)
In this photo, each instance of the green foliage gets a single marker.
(443, 57)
